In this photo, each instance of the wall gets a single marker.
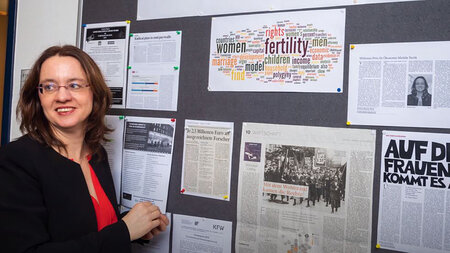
(373, 23)
(39, 25)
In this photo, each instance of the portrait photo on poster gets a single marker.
(419, 91)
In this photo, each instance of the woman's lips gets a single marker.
(64, 110)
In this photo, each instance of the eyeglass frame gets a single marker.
(40, 87)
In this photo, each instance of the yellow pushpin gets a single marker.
(128, 21)
(378, 246)
(348, 123)
(225, 197)
(352, 46)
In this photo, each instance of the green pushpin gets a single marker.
(131, 35)
(175, 68)
(121, 117)
(129, 67)
(178, 32)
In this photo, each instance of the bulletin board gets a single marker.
(372, 23)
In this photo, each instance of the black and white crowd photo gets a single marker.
(321, 171)
(160, 138)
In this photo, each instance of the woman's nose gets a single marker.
(63, 94)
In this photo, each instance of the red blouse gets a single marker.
(103, 208)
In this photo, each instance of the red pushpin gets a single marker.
(172, 119)
(182, 190)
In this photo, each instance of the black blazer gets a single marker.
(45, 204)
(413, 100)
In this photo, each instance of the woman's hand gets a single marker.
(164, 222)
(142, 218)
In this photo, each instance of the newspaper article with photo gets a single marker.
(414, 209)
(278, 52)
(207, 159)
(147, 161)
(400, 84)
(304, 189)
(107, 44)
(150, 9)
(197, 234)
(154, 74)
(114, 147)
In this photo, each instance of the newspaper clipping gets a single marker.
(207, 159)
(414, 212)
(147, 161)
(400, 84)
(304, 189)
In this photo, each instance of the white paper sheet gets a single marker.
(278, 52)
(196, 234)
(381, 81)
(159, 244)
(107, 44)
(147, 160)
(153, 78)
(207, 159)
(305, 189)
(414, 209)
(154, 9)
(114, 149)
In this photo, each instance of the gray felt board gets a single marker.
(427, 20)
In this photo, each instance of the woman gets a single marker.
(56, 189)
(419, 93)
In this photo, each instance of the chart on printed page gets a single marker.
(147, 160)
(400, 84)
(278, 52)
(305, 189)
(414, 210)
(154, 74)
(107, 44)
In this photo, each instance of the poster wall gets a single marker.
(278, 52)
(414, 212)
(400, 84)
(304, 189)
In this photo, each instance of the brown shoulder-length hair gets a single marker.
(31, 114)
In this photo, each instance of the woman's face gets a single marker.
(65, 110)
(420, 85)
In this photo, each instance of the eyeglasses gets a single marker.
(50, 88)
